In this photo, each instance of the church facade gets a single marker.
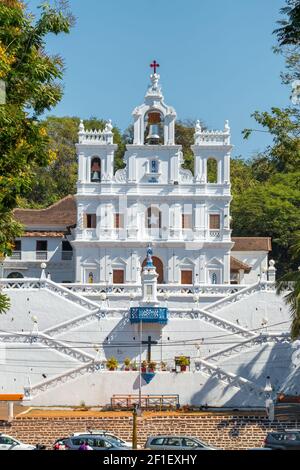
(101, 234)
(139, 268)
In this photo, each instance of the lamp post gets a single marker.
(135, 414)
(140, 368)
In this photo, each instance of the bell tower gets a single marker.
(154, 113)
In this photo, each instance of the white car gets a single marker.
(10, 443)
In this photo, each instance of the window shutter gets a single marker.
(214, 221)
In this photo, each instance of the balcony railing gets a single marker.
(215, 234)
(16, 255)
(149, 315)
(41, 255)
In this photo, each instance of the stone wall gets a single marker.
(223, 431)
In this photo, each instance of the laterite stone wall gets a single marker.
(223, 431)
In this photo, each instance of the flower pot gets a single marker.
(183, 368)
(144, 369)
(111, 368)
(127, 368)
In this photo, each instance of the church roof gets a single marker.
(252, 244)
(60, 214)
(236, 265)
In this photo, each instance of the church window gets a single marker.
(66, 250)
(41, 249)
(212, 170)
(186, 221)
(214, 221)
(96, 170)
(119, 220)
(118, 276)
(214, 278)
(186, 276)
(153, 217)
(17, 250)
(91, 278)
(90, 221)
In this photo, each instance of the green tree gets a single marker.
(289, 286)
(289, 31)
(31, 78)
(270, 209)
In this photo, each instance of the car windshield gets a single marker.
(116, 442)
(115, 438)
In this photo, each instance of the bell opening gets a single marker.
(95, 170)
(154, 128)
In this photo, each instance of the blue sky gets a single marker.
(215, 56)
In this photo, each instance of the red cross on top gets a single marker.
(154, 65)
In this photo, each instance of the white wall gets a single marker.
(116, 336)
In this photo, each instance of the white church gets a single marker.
(140, 266)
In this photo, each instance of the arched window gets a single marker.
(154, 128)
(15, 275)
(91, 278)
(153, 217)
(212, 170)
(95, 170)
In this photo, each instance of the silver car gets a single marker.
(97, 442)
(176, 443)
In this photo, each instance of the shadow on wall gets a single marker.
(124, 340)
(278, 367)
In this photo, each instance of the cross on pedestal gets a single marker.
(154, 65)
(149, 344)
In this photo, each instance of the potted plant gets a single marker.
(183, 362)
(144, 366)
(152, 366)
(163, 366)
(134, 366)
(112, 363)
(127, 363)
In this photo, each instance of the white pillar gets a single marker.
(10, 411)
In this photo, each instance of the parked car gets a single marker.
(10, 443)
(108, 434)
(283, 440)
(96, 441)
(176, 443)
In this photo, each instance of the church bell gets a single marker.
(95, 176)
(154, 120)
(153, 136)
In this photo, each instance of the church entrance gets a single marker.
(159, 268)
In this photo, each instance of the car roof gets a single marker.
(88, 435)
(181, 436)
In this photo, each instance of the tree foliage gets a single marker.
(289, 31)
(31, 79)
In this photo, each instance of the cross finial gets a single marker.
(154, 65)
